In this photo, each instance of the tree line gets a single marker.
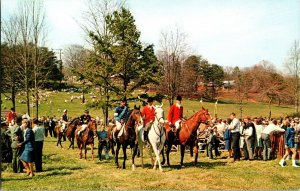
(118, 62)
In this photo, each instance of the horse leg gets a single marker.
(60, 142)
(135, 148)
(92, 147)
(116, 155)
(150, 153)
(85, 150)
(196, 150)
(169, 146)
(57, 142)
(163, 155)
(182, 149)
(191, 151)
(140, 145)
(156, 152)
(111, 144)
(80, 148)
(124, 146)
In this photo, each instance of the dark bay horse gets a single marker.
(187, 134)
(70, 132)
(134, 118)
(86, 138)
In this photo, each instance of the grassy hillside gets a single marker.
(55, 104)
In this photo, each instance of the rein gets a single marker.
(198, 122)
(160, 128)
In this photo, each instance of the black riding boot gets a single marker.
(146, 136)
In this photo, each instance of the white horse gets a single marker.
(157, 135)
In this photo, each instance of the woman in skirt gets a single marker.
(27, 155)
(289, 145)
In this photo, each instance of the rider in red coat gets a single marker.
(148, 114)
(176, 114)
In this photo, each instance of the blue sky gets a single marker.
(226, 32)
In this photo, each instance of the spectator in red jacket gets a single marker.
(175, 115)
(11, 116)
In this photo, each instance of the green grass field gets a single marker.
(63, 170)
(75, 108)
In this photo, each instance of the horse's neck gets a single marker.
(191, 124)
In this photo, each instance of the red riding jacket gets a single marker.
(175, 113)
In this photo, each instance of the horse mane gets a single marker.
(128, 115)
(193, 115)
(74, 120)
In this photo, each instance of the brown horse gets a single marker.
(187, 134)
(86, 138)
(70, 132)
(129, 136)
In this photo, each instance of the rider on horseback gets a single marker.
(84, 119)
(64, 120)
(175, 115)
(120, 114)
(148, 114)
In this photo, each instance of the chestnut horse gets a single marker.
(129, 136)
(70, 132)
(187, 134)
(86, 138)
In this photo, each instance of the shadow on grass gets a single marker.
(63, 168)
(23, 177)
(55, 173)
(203, 165)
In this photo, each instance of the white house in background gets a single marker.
(228, 83)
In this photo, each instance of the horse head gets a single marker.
(203, 116)
(137, 116)
(159, 114)
(92, 125)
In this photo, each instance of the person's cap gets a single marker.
(179, 98)
(65, 110)
(150, 99)
(86, 111)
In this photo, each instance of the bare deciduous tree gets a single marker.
(172, 52)
(293, 66)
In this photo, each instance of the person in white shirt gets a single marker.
(235, 133)
(248, 133)
(266, 138)
(258, 140)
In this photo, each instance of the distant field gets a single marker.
(63, 170)
(75, 108)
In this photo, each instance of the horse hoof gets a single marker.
(133, 167)
(154, 168)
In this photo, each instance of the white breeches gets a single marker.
(83, 127)
(148, 126)
(63, 125)
(177, 124)
(118, 125)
